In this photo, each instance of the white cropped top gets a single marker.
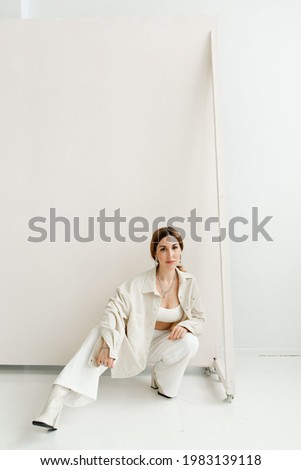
(170, 315)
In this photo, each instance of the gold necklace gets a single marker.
(165, 292)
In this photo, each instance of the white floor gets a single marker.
(265, 414)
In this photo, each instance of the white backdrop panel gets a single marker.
(104, 113)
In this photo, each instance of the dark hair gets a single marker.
(162, 233)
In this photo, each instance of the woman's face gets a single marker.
(168, 252)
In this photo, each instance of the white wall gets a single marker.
(10, 9)
(261, 76)
(92, 119)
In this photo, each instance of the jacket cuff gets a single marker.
(186, 325)
(113, 353)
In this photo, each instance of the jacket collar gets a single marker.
(150, 280)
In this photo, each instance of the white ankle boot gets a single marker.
(52, 410)
(155, 385)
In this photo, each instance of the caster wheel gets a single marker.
(210, 370)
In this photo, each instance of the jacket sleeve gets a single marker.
(113, 321)
(196, 315)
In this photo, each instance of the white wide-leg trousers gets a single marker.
(168, 357)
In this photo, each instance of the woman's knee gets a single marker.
(191, 343)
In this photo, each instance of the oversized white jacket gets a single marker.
(128, 321)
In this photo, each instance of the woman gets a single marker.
(153, 319)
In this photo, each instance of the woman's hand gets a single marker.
(104, 358)
(177, 332)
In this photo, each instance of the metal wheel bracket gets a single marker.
(229, 398)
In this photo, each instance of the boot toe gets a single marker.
(44, 425)
(163, 395)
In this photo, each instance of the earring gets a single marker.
(180, 261)
(156, 262)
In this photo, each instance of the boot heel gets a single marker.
(154, 384)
